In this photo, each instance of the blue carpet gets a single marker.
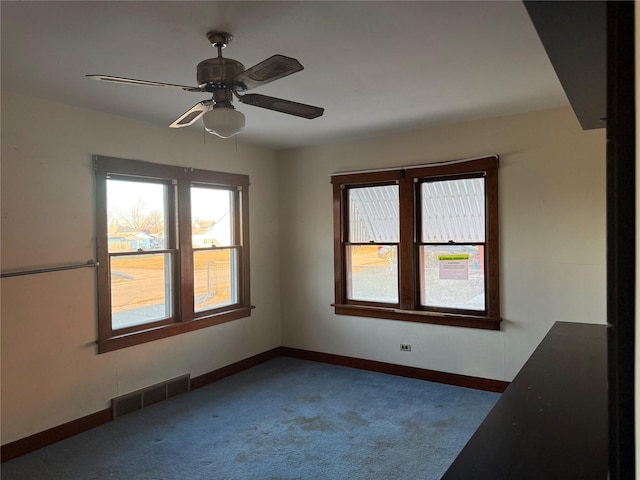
(286, 419)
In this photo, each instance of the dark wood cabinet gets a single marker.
(551, 422)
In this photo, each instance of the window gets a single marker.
(173, 250)
(419, 243)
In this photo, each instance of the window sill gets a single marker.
(117, 342)
(450, 319)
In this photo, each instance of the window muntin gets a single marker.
(446, 255)
(157, 277)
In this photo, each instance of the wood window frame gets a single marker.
(184, 319)
(408, 307)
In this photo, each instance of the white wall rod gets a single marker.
(89, 264)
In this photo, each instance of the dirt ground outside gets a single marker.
(373, 276)
(139, 280)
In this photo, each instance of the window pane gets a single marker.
(453, 210)
(215, 278)
(136, 216)
(452, 276)
(374, 214)
(211, 217)
(140, 289)
(372, 273)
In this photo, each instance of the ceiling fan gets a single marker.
(224, 78)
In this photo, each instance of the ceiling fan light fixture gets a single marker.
(223, 78)
(225, 122)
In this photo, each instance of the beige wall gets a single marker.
(51, 373)
(552, 208)
(552, 234)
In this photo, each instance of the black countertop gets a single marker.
(551, 422)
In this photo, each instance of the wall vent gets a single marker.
(133, 401)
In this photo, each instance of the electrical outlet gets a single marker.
(405, 347)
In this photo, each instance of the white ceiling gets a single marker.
(374, 66)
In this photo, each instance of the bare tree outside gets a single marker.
(136, 219)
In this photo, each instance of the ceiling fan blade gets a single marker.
(144, 83)
(191, 115)
(269, 70)
(280, 105)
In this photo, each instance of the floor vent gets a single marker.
(133, 401)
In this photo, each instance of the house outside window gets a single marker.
(173, 250)
(419, 243)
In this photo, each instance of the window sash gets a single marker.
(373, 214)
(372, 273)
(226, 218)
(451, 215)
(216, 286)
(452, 278)
(128, 307)
(452, 210)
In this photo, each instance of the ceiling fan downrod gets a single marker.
(219, 40)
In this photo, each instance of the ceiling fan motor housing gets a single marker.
(219, 72)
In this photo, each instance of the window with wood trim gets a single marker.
(419, 243)
(173, 250)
